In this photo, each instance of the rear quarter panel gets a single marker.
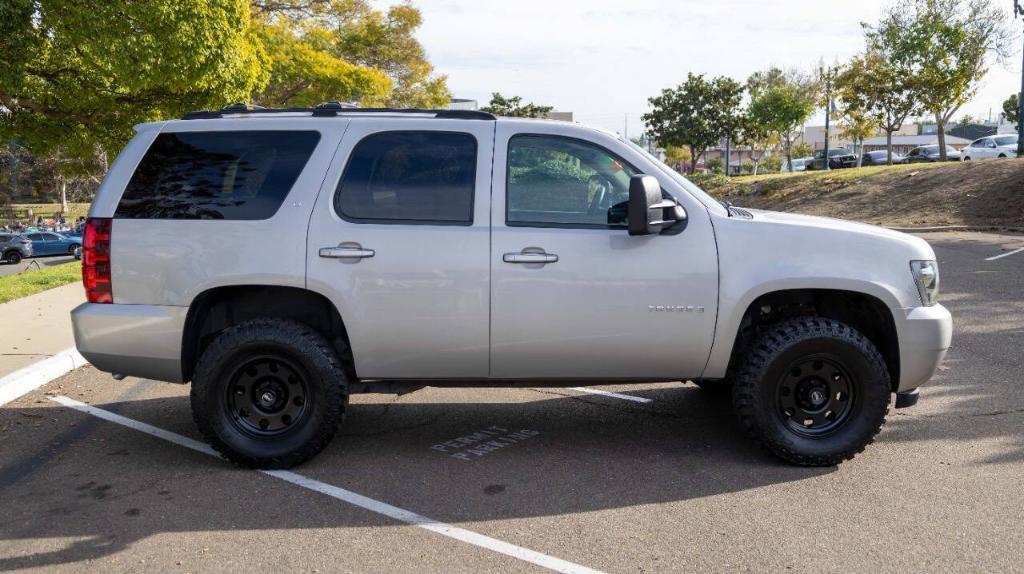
(169, 262)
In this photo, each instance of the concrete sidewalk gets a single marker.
(38, 326)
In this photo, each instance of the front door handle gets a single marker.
(527, 257)
(346, 252)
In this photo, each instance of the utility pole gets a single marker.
(828, 113)
(1018, 10)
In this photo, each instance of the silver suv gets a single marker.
(14, 247)
(281, 260)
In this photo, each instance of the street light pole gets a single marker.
(1018, 10)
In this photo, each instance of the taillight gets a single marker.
(25, 242)
(96, 260)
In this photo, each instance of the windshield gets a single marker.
(689, 186)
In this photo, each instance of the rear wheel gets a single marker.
(13, 257)
(72, 249)
(269, 393)
(813, 391)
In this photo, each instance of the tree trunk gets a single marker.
(63, 194)
(789, 153)
(693, 161)
(888, 146)
(860, 154)
(942, 137)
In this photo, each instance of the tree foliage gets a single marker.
(1011, 109)
(78, 74)
(882, 89)
(946, 46)
(780, 105)
(697, 114)
(514, 107)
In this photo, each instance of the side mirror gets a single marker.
(649, 212)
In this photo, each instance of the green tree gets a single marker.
(1011, 109)
(304, 70)
(946, 44)
(780, 103)
(697, 114)
(514, 107)
(75, 75)
(386, 41)
(881, 88)
(857, 126)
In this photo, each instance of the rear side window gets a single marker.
(216, 175)
(409, 177)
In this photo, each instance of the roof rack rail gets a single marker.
(334, 109)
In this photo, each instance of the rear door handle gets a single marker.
(529, 258)
(346, 252)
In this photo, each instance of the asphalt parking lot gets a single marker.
(525, 479)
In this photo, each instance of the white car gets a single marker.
(799, 164)
(281, 260)
(991, 147)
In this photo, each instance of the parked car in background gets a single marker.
(991, 147)
(49, 243)
(837, 159)
(881, 157)
(14, 247)
(930, 154)
(799, 164)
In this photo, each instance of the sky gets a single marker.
(602, 59)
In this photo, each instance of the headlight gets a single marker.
(926, 276)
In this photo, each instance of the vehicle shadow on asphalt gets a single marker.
(109, 487)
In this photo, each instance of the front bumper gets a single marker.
(133, 340)
(925, 334)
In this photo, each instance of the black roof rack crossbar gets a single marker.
(333, 109)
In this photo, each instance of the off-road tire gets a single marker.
(766, 362)
(308, 354)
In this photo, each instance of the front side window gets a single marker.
(557, 181)
(410, 177)
(216, 175)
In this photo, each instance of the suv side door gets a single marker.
(399, 242)
(573, 295)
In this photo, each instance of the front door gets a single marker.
(573, 295)
(399, 241)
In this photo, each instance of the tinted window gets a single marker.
(1006, 140)
(216, 175)
(35, 236)
(410, 177)
(555, 180)
(51, 237)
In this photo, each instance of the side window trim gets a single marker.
(380, 221)
(553, 225)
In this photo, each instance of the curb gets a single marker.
(38, 374)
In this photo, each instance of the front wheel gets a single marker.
(814, 391)
(269, 393)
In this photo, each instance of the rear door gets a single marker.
(399, 241)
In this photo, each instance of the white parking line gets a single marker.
(1007, 254)
(393, 512)
(38, 374)
(613, 395)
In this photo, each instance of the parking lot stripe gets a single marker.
(393, 512)
(613, 395)
(38, 374)
(1007, 254)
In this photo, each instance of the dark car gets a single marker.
(930, 154)
(14, 247)
(837, 159)
(881, 157)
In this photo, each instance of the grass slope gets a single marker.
(982, 193)
(35, 280)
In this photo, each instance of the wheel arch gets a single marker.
(865, 311)
(218, 308)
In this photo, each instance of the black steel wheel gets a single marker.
(812, 390)
(269, 393)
